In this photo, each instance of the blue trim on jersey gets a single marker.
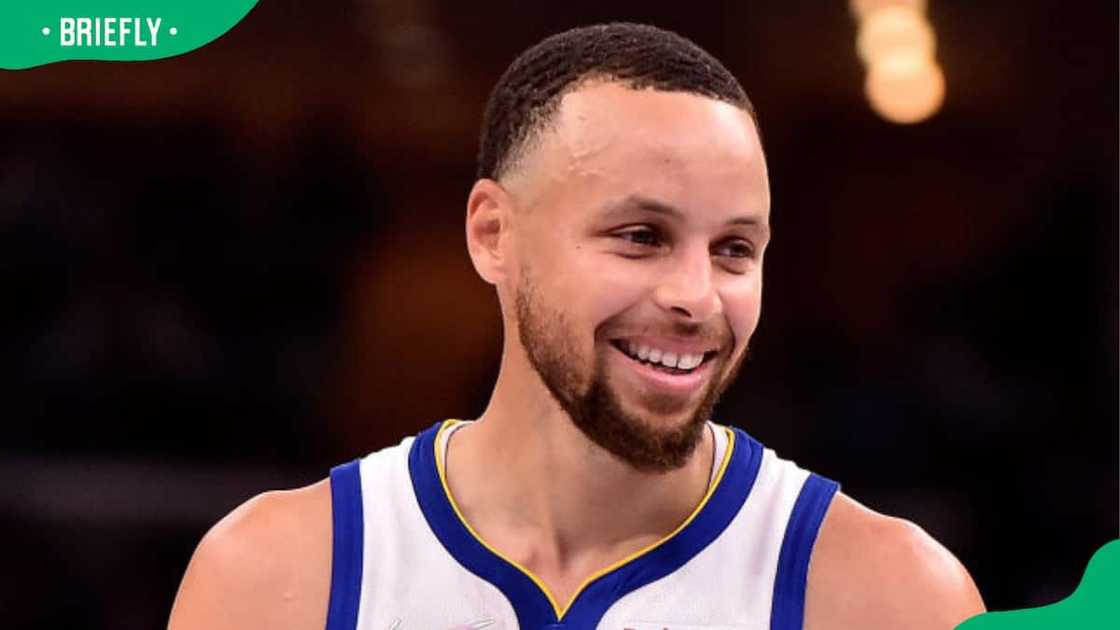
(347, 557)
(713, 519)
(529, 602)
(788, 609)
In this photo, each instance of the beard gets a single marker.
(595, 407)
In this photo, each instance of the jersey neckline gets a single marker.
(531, 600)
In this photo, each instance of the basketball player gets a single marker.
(621, 213)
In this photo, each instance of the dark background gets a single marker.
(228, 271)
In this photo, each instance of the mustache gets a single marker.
(716, 335)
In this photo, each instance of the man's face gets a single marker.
(641, 221)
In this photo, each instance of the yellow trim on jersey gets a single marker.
(560, 612)
(455, 506)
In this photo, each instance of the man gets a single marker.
(621, 212)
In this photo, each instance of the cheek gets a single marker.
(598, 292)
(742, 305)
(614, 296)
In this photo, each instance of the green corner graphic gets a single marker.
(1095, 604)
(38, 32)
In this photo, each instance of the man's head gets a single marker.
(622, 210)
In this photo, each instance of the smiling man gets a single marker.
(622, 215)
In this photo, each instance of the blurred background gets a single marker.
(231, 270)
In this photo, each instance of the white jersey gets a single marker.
(404, 558)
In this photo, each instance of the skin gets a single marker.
(569, 231)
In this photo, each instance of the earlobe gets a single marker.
(487, 222)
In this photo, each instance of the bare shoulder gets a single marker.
(265, 565)
(873, 571)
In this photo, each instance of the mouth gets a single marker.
(674, 362)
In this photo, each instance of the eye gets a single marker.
(735, 248)
(641, 235)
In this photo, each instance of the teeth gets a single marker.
(689, 361)
(683, 361)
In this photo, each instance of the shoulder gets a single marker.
(265, 565)
(873, 571)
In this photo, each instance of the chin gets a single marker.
(671, 416)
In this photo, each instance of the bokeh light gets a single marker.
(896, 44)
(892, 32)
(905, 90)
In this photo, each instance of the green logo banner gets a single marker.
(37, 32)
(1094, 605)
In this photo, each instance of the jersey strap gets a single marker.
(347, 557)
(812, 503)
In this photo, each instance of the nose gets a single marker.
(687, 289)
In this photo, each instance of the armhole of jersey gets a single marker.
(797, 546)
(346, 554)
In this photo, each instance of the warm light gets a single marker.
(892, 32)
(896, 44)
(905, 90)
(863, 8)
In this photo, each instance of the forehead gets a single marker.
(607, 140)
(600, 113)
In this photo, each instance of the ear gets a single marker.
(489, 208)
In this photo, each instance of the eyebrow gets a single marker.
(655, 206)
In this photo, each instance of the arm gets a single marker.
(874, 572)
(265, 565)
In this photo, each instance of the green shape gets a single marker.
(1095, 604)
(25, 44)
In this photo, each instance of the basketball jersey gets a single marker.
(405, 559)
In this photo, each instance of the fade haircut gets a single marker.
(636, 56)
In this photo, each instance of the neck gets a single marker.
(536, 488)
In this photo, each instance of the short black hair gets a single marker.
(637, 56)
